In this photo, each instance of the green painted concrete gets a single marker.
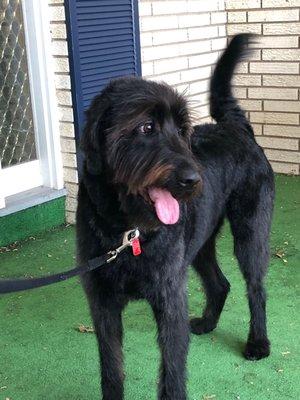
(32, 221)
(43, 356)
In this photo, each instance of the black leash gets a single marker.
(16, 285)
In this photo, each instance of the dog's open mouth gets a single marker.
(166, 206)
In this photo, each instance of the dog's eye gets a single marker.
(146, 128)
(179, 131)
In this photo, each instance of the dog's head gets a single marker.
(138, 135)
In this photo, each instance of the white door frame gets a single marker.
(47, 170)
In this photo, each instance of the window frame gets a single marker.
(47, 170)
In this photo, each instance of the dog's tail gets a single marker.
(223, 105)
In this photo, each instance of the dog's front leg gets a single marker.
(170, 311)
(108, 326)
(106, 312)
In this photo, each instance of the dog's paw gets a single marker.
(202, 325)
(255, 350)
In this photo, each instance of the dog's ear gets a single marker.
(92, 134)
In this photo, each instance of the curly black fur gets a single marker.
(122, 162)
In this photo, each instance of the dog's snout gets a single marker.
(188, 178)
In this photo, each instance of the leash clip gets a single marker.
(128, 239)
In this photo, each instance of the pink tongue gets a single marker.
(167, 208)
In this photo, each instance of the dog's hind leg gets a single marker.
(215, 285)
(251, 227)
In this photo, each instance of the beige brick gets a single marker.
(257, 129)
(280, 3)
(280, 42)
(287, 28)
(69, 160)
(274, 118)
(218, 44)
(58, 31)
(169, 7)
(273, 93)
(57, 13)
(66, 129)
(218, 17)
(203, 111)
(147, 68)
(62, 82)
(195, 74)
(233, 29)
(171, 79)
(144, 8)
(68, 145)
(285, 168)
(241, 4)
(199, 87)
(205, 120)
(70, 175)
(247, 80)
(160, 52)
(163, 66)
(239, 92)
(158, 23)
(71, 204)
(172, 36)
(274, 67)
(59, 48)
(283, 155)
(281, 80)
(222, 30)
(203, 59)
(277, 55)
(282, 130)
(174, 50)
(187, 48)
(183, 88)
(72, 189)
(66, 114)
(276, 105)
(61, 64)
(242, 68)
(273, 15)
(191, 20)
(64, 97)
(203, 33)
(278, 143)
(146, 38)
(236, 16)
(199, 6)
(199, 99)
(251, 105)
(71, 217)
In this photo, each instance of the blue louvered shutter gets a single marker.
(103, 39)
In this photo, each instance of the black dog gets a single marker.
(147, 167)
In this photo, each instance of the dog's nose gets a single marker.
(188, 178)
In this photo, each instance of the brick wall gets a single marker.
(180, 42)
(64, 100)
(268, 85)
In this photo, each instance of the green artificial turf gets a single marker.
(43, 356)
(31, 221)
